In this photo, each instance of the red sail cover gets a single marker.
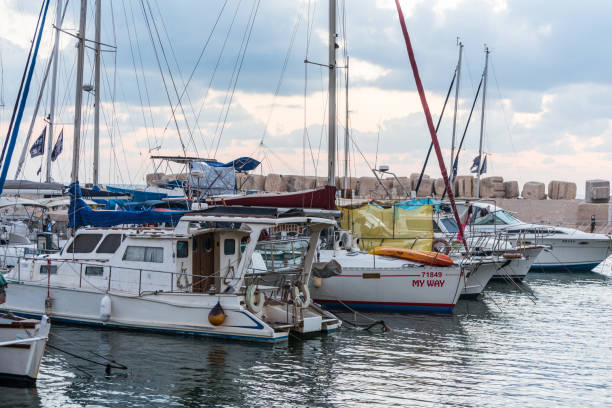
(322, 198)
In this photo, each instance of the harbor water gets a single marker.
(509, 349)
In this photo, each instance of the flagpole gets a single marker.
(482, 118)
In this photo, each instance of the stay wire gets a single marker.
(237, 76)
(163, 50)
(146, 18)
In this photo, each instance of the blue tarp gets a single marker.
(240, 164)
(80, 214)
(414, 204)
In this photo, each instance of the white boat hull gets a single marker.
(377, 283)
(478, 278)
(571, 254)
(179, 313)
(22, 345)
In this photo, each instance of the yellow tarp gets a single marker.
(394, 226)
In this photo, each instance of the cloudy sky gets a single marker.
(238, 67)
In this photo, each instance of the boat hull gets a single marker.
(22, 347)
(382, 284)
(174, 313)
(477, 279)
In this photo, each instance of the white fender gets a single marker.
(105, 308)
(249, 298)
(301, 295)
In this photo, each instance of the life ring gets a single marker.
(249, 298)
(301, 295)
(441, 245)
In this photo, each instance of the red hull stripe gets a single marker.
(362, 302)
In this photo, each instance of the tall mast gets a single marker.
(78, 99)
(482, 118)
(346, 128)
(96, 158)
(331, 155)
(452, 174)
(58, 24)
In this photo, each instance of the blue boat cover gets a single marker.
(80, 214)
(414, 204)
(240, 164)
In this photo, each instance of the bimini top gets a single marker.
(18, 201)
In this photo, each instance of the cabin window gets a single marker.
(94, 270)
(435, 227)
(110, 244)
(208, 244)
(182, 249)
(44, 268)
(144, 254)
(229, 247)
(84, 243)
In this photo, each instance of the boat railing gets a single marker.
(125, 279)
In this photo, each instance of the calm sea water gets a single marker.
(505, 350)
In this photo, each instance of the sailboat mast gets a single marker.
(96, 149)
(331, 154)
(78, 99)
(482, 118)
(346, 129)
(452, 173)
(58, 25)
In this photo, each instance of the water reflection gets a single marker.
(505, 349)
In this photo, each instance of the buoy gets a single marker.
(105, 308)
(216, 316)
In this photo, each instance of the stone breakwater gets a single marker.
(554, 203)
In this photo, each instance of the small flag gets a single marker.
(476, 167)
(59, 146)
(38, 147)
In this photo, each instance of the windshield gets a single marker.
(450, 225)
(500, 217)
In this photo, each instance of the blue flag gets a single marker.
(38, 147)
(476, 167)
(59, 146)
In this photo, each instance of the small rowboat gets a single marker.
(426, 257)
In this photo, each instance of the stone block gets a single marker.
(352, 183)
(426, 187)
(511, 189)
(599, 210)
(533, 190)
(151, 177)
(439, 187)
(414, 179)
(402, 188)
(250, 181)
(492, 187)
(366, 186)
(275, 183)
(465, 186)
(597, 191)
(299, 183)
(561, 190)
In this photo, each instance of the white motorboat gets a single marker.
(22, 345)
(190, 279)
(566, 249)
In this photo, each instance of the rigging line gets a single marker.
(237, 76)
(234, 70)
(178, 131)
(212, 77)
(180, 76)
(502, 104)
(324, 115)
(23, 80)
(199, 60)
(144, 77)
(163, 50)
(283, 69)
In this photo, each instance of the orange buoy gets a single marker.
(426, 257)
(216, 315)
